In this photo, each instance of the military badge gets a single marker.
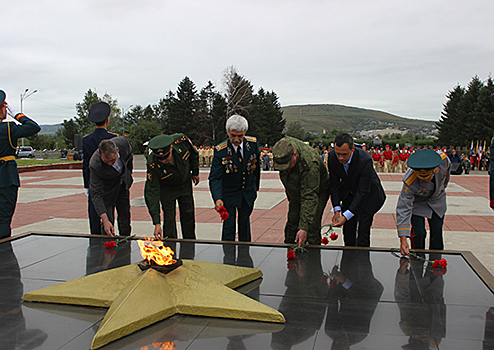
(228, 164)
(252, 164)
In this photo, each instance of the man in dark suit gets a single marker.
(110, 180)
(356, 191)
(234, 178)
(98, 114)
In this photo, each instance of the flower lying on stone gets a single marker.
(120, 239)
(291, 255)
(110, 244)
(333, 236)
(324, 240)
(443, 263)
(223, 213)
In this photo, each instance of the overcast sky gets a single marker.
(397, 56)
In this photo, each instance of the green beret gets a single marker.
(282, 155)
(160, 145)
(424, 159)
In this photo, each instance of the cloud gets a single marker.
(400, 57)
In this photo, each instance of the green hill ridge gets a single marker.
(316, 118)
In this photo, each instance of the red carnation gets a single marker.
(435, 263)
(223, 213)
(110, 244)
(334, 236)
(333, 283)
(291, 255)
(325, 240)
(443, 263)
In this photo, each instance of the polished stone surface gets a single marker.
(381, 302)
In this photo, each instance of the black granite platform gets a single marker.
(380, 302)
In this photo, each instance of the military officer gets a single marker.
(306, 182)
(423, 196)
(98, 114)
(171, 168)
(234, 178)
(10, 132)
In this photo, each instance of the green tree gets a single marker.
(182, 116)
(69, 129)
(266, 119)
(295, 129)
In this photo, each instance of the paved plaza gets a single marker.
(54, 201)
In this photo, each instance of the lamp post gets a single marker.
(25, 95)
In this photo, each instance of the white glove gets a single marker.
(12, 112)
(87, 192)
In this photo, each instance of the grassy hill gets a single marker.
(315, 118)
(49, 129)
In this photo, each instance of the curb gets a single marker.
(56, 166)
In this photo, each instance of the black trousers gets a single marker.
(356, 231)
(419, 233)
(228, 232)
(185, 198)
(122, 205)
(8, 200)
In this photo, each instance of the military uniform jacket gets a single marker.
(169, 178)
(419, 198)
(231, 180)
(10, 132)
(491, 172)
(305, 181)
(360, 189)
(105, 181)
(90, 144)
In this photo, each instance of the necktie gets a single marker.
(239, 153)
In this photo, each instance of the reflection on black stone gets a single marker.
(419, 294)
(488, 343)
(352, 300)
(99, 258)
(301, 304)
(13, 332)
(239, 255)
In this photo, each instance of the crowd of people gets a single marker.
(345, 174)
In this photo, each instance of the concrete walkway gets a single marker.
(54, 201)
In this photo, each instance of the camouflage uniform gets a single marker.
(307, 188)
(168, 183)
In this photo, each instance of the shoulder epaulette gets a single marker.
(443, 156)
(113, 133)
(251, 138)
(220, 146)
(411, 179)
(181, 139)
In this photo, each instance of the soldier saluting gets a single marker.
(171, 168)
(9, 176)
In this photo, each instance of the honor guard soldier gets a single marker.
(10, 132)
(171, 168)
(234, 178)
(423, 196)
(98, 114)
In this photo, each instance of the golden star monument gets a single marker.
(137, 299)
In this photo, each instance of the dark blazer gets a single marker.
(358, 190)
(231, 180)
(90, 144)
(105, 180)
